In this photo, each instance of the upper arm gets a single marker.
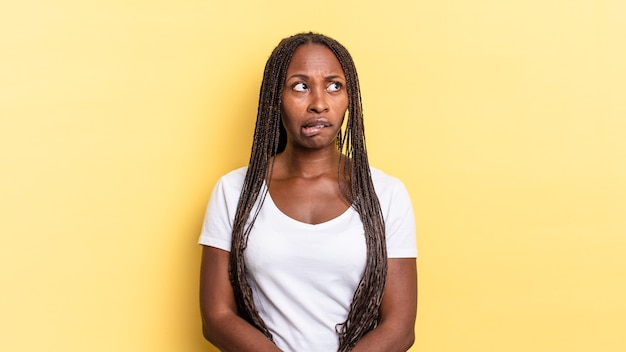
(396, 330)
(216, 292)
(220, 323)
(399, 304)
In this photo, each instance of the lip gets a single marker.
(314, 126)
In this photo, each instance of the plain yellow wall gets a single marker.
(505, 119)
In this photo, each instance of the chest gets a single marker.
(309, 201)
(283, 249)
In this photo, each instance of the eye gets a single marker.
(300, 87)
(334, 86)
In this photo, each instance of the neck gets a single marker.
(308, 163)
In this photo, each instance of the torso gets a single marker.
(304, 276)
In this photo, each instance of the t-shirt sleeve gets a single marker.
(399, 222)
(217, 226)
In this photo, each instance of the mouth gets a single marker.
(314, 127)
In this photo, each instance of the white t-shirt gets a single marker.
(303, 276)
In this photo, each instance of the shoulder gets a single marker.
(397, 210)
(234, 179)
(228, 187)
(220, 213)
(385, 183)
(390, 190)
(236, 175)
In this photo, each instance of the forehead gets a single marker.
(314, 58)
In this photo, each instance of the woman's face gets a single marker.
(314, 98)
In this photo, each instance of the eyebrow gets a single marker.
(303, 76)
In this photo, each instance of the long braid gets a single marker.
(364, 309)
(356, 184)
(265, 144)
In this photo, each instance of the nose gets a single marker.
(318, 102)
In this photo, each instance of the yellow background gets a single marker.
(505, 119)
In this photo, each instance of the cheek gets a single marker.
(344, 107)
(286, 116)
(288, 106)
(343, 103)
(288, 119)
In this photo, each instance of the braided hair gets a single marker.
(354, 180)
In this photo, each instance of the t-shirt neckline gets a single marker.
(276, 209)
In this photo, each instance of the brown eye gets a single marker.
(300, 87)
(334, 86)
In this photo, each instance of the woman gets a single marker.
(308, 248)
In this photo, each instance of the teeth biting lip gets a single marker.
(317, 123)
(316, 126)
(313, 127)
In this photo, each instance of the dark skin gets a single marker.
(314, 102)
(305, 187)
